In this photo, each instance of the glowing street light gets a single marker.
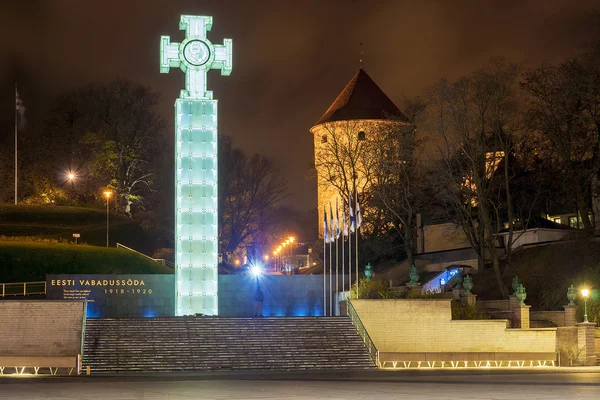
(255, 270)
(107, 194)
(71, 177)
(585, 293)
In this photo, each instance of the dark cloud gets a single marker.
(291, 57)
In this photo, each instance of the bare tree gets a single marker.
(249, 188)
(338, 157)
(564, 108)
(398, 176)
(475, 122)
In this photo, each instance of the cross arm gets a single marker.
(169, 54)
(223, 57)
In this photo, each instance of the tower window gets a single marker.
(362, 135)
(324, 139)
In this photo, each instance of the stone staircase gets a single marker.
(217, 343)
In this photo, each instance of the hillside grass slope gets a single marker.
(547, 272)
(61, 222)
(22, 261)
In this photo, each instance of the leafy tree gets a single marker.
(111, 133)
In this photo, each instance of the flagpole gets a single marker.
(16, 134)
(336, 272)
(356, 234)
(324, 273)
(324, 261)
(343, 265)
(358, 220)
(330, 281)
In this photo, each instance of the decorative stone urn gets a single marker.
(571, 295)
(521, 294)
(515, 284)
(369, 271)
(414, 276)
(468, 284)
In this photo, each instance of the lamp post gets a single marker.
(107, 194)
(71, 177)
(585, 293)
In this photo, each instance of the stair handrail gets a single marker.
(158, 260)
(23, 291)
(362, 331)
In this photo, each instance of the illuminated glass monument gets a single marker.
(196, 206)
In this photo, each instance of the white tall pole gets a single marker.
(356, 234)
(336, 272)
(330, 281)
(324, 272)
(343, 264)
(16, 158)
(350, 262)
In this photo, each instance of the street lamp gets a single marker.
(71, 178)
(107, 194)
(585, 293)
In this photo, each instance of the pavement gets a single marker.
(331, 385)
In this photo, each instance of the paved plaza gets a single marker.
(352, 385)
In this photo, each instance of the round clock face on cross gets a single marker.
(196, 53)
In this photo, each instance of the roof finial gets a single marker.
(362, 52)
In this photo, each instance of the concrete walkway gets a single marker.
(375, 385)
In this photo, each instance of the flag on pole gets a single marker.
(337, 220)
(19, 105)
(19, 102)
(352, 227)
(325, 233)
(344, 222)
(358, 216)
(331, 225)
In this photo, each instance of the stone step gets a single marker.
(214, 343)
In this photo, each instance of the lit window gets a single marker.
(573, 222)
(361, 135)
(557, 220)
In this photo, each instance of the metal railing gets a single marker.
(22, 289)
(360, 328)
(161, 261)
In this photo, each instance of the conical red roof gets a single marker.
(361, 99)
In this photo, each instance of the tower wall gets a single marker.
(340, 134)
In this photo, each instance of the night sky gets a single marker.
(291, 57)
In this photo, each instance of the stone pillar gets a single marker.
(521, 317)
(570, 319)
(344, 308)
(513, 302)
(457, 293)
(586, 344)
(471, 299)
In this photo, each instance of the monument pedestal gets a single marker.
(586, 343)
(570, 315)
(521, 317)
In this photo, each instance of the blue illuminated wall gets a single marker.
(284, 295)
(117, 296)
